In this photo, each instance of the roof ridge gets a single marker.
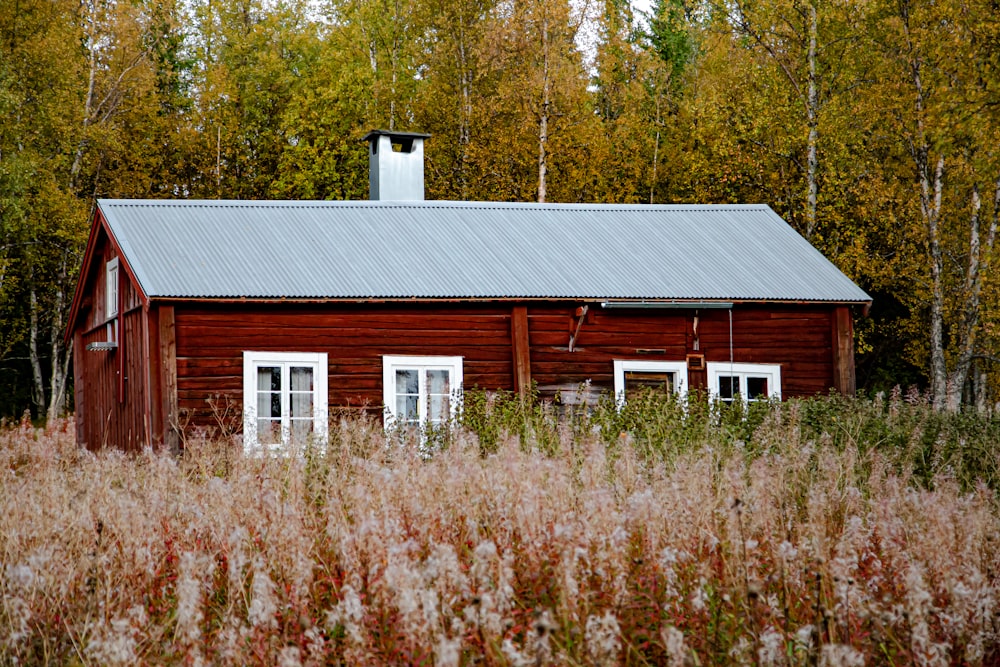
(425, 204)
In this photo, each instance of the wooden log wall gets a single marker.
(111, 391)
(211, 339)
(798, 337)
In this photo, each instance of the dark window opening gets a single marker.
(757, 388)
(729, 387)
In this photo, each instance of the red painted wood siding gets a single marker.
(110, 419)
(211, 339)
(798, 337)
(110, 412)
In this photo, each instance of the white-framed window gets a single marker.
(633, 375)
(420, 391)
(111, 288)
(751, 382)
(284, 399)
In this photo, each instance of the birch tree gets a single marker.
(814, 46)
(936, 85)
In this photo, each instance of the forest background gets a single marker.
(870, 125)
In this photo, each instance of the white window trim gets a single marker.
(111, 287)
(251, 360)
(742, 370)
(390, 363)
(622, 366)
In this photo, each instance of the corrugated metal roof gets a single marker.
(443, 249)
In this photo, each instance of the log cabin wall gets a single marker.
(798, 337)
(110, 385)
(211, 339)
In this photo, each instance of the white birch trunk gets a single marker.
(812, 102)
(543, 118)
(38, 383)
(60, 357)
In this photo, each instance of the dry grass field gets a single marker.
(816, 533)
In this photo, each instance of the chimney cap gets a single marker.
(395, 135)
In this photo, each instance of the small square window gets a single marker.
(420, 391)
(632, 376)
(748, 382)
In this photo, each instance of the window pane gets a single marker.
(268, 404)
(406, 408)
(438, 381)
(301, 378)
(757, 388)
(638, 380)
(302, 406)
(440, 406)
(408, 381)
(268, 431)
(269, 378)
(729, 386)
(300, 430)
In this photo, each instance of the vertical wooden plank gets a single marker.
(150, 377)
(120, 323)
(168, 375)
(697, 379)
(81, 406)
(520, 350)
(844, 379)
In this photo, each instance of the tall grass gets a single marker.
(830, 532)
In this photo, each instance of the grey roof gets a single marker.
(444, 249)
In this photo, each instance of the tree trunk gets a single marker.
(656, 147)
(931, 210)
(60, 357)
(812, 100)
(543, 118)
(972, 291)
(38, 383)
(465, 123)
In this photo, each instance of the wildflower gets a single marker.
(772, 648)
(603, 639)
(673, 641)
(841, 655)
(349, 613)
(540, 640)
(189, 612)
(787, 552)
(262, 604)
(19, 614)
(290, 656)
(513, 656)
(114, 645)
(20, 577)
(804, 637)
(448, 652)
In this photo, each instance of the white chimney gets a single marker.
(395, 165)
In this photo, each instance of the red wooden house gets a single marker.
(283, 310)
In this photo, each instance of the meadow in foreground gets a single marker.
(827, 532)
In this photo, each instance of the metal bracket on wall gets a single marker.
(581, 313)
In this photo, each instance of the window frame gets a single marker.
(623, 366)
(717, 369)
(112, 285)
(254, 359)
(392, 363)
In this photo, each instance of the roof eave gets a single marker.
(98, 224)
(681, 303)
